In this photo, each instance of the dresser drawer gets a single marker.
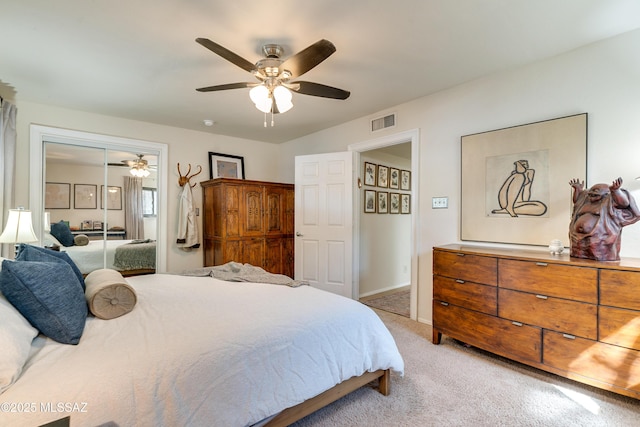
(562, 281)
(571, 317)
(603, 362)
(620, 289)
(472, 268)
(466, 294)
(619, 326)
(499, 336)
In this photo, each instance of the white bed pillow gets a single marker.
(48, 240)
(108, 294)
(16, 335)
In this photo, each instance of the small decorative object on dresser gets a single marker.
(555, 247)
(572, 317)
(597, 219)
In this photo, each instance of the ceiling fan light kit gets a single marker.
(273, 94)
(139, 167)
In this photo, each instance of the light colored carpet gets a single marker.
(396, 302)
(452, 385)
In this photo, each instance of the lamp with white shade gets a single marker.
(19, 228)
(47, 222)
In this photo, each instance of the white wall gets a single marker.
(385, 239)
(600, 79)
(185, 146)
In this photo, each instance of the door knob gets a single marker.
(298, 234)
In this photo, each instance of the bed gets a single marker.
(201, 351)
(126, 256)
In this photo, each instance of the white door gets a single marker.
(324, 221)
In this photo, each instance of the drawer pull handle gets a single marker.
(459, 254)
(568, 336)
(542, 296)
(459, 281)
(516, 323)
(446, 304)
(541, 264)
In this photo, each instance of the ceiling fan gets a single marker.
(272, 94)
(139, 167)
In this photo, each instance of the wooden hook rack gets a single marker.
(184, 179)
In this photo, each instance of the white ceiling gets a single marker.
(138, 59)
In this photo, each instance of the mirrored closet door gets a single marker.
(101, 204)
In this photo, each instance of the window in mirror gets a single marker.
(149, 206)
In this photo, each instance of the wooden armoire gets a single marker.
(249, 222)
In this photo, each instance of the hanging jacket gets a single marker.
(188, 237)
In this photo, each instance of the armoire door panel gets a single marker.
(273, 255)
(230, 211)
(253, 251)
(274, 214)
(252, 198)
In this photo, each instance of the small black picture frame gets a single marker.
(225, 166)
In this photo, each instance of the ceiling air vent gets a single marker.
(383, 122)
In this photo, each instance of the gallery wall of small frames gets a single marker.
(383, 202)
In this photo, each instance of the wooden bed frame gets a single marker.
(295, 413)
(137, 272)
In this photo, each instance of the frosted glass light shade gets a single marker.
(261, 97)
(283, 98)
(19, 228)
(139, 172)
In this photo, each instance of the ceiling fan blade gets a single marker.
(317, 89)
(308, 58)
(227, 54)
(225, 87)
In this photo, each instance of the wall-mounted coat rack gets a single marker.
(184, 179)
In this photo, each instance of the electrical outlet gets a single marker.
(439, 202)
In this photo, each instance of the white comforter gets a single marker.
(92, 256)
(201, 352)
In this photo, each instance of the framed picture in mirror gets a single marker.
(85, 196)
(114, 197)
(57, 195)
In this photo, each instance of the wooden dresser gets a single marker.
(576, 318)
(248, 222)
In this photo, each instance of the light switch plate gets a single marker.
(439, 202)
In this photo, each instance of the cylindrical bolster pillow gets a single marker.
(81, 240)
(108, 294)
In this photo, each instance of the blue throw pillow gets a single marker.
(36, 253)
(60, 230)
(48, 295)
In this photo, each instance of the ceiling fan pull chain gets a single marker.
(272, 122)
(265, 119)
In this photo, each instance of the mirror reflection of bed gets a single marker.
(97, 211)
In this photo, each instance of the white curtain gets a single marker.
(8, 137)
(133, 213)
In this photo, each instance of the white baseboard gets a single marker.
(379, 291)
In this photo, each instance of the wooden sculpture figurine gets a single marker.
(598, 216)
